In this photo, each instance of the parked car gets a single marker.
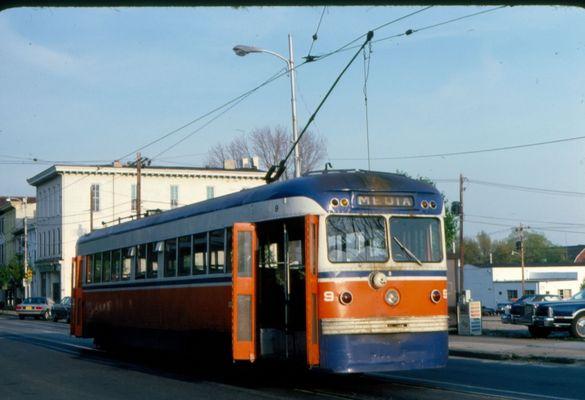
(522, 312)
(567, 315)
(37, 307)
(502, 307)
(487, 311)
(62, 310)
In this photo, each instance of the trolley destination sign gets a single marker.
(383, 200)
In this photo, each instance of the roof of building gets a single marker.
(57, 169)
(319, 187)
(6, 202)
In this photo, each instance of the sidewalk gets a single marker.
(512, 342)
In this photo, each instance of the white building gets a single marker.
(70, 199)
(493, 284)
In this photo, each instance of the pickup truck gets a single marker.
(567, 315)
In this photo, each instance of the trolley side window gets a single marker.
(106, 266)
(140, 272)
(415, 239)
(185, 255)
(216, 251)
(199, 253)
(153, 251)
(127, 257)
(356, 239)
(116, 265)
(170, 258)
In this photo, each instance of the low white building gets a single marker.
(71, 200)
(493, 284)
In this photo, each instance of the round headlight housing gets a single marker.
(392, 297)
(345, 298)
(378, 280)
(436, 296)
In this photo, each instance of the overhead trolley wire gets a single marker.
(315, 35)
(466, 152)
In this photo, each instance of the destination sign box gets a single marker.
(383, 200)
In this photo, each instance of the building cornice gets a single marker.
(185, 172)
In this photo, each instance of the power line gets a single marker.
(236, 99)
(466, 152)
(346, 47)
(315, 35)
(525, 220)
(529, 189)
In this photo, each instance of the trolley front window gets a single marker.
(415, 239)
(356, 239)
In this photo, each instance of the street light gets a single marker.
(243, 50)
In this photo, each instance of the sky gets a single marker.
(92, 85)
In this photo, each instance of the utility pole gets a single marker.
(461, 246)
(293, 101)
(138, 184)
(520, 232)
(24, 201)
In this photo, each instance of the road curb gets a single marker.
(513, 357)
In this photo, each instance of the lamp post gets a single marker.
(243, 50)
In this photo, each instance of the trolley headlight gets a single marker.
(392, 297)
(436, 296)
(345, 298)
(378, 280)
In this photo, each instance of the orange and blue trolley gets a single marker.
(340, 270)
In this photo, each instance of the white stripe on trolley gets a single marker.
(390, 278)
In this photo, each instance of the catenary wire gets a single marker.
(466, 152)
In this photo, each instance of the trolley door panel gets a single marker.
(244, 292)
(311, 288)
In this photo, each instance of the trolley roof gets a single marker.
(316, 186)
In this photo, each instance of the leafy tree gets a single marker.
(537, 249)
(583, 284)
(271, 146)
(11, 275)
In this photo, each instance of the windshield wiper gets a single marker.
(407, 250)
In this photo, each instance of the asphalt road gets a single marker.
(39, 360)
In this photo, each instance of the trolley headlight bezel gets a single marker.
(392, 297)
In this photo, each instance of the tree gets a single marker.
(271, 146)
(537, 249)
(583, 284)
(11, 276)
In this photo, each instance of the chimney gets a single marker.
(117, 164)
(256, 162)
(229, 164)
(245, 162)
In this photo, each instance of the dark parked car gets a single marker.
(502, 307)
(62, 310)
(568, 315)
(35, 307)
(487, 311)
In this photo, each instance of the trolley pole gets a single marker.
(138, 184)
(461, 246)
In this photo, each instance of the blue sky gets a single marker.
(95, 84)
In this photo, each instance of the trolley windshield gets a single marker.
(356, 239)
(415, 239)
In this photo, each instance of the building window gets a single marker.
(512, 294)
(210, 192)
(529, 292)
(133, 197)
(95, 197)
(174, 196)
(59, 249)
(565, 293)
